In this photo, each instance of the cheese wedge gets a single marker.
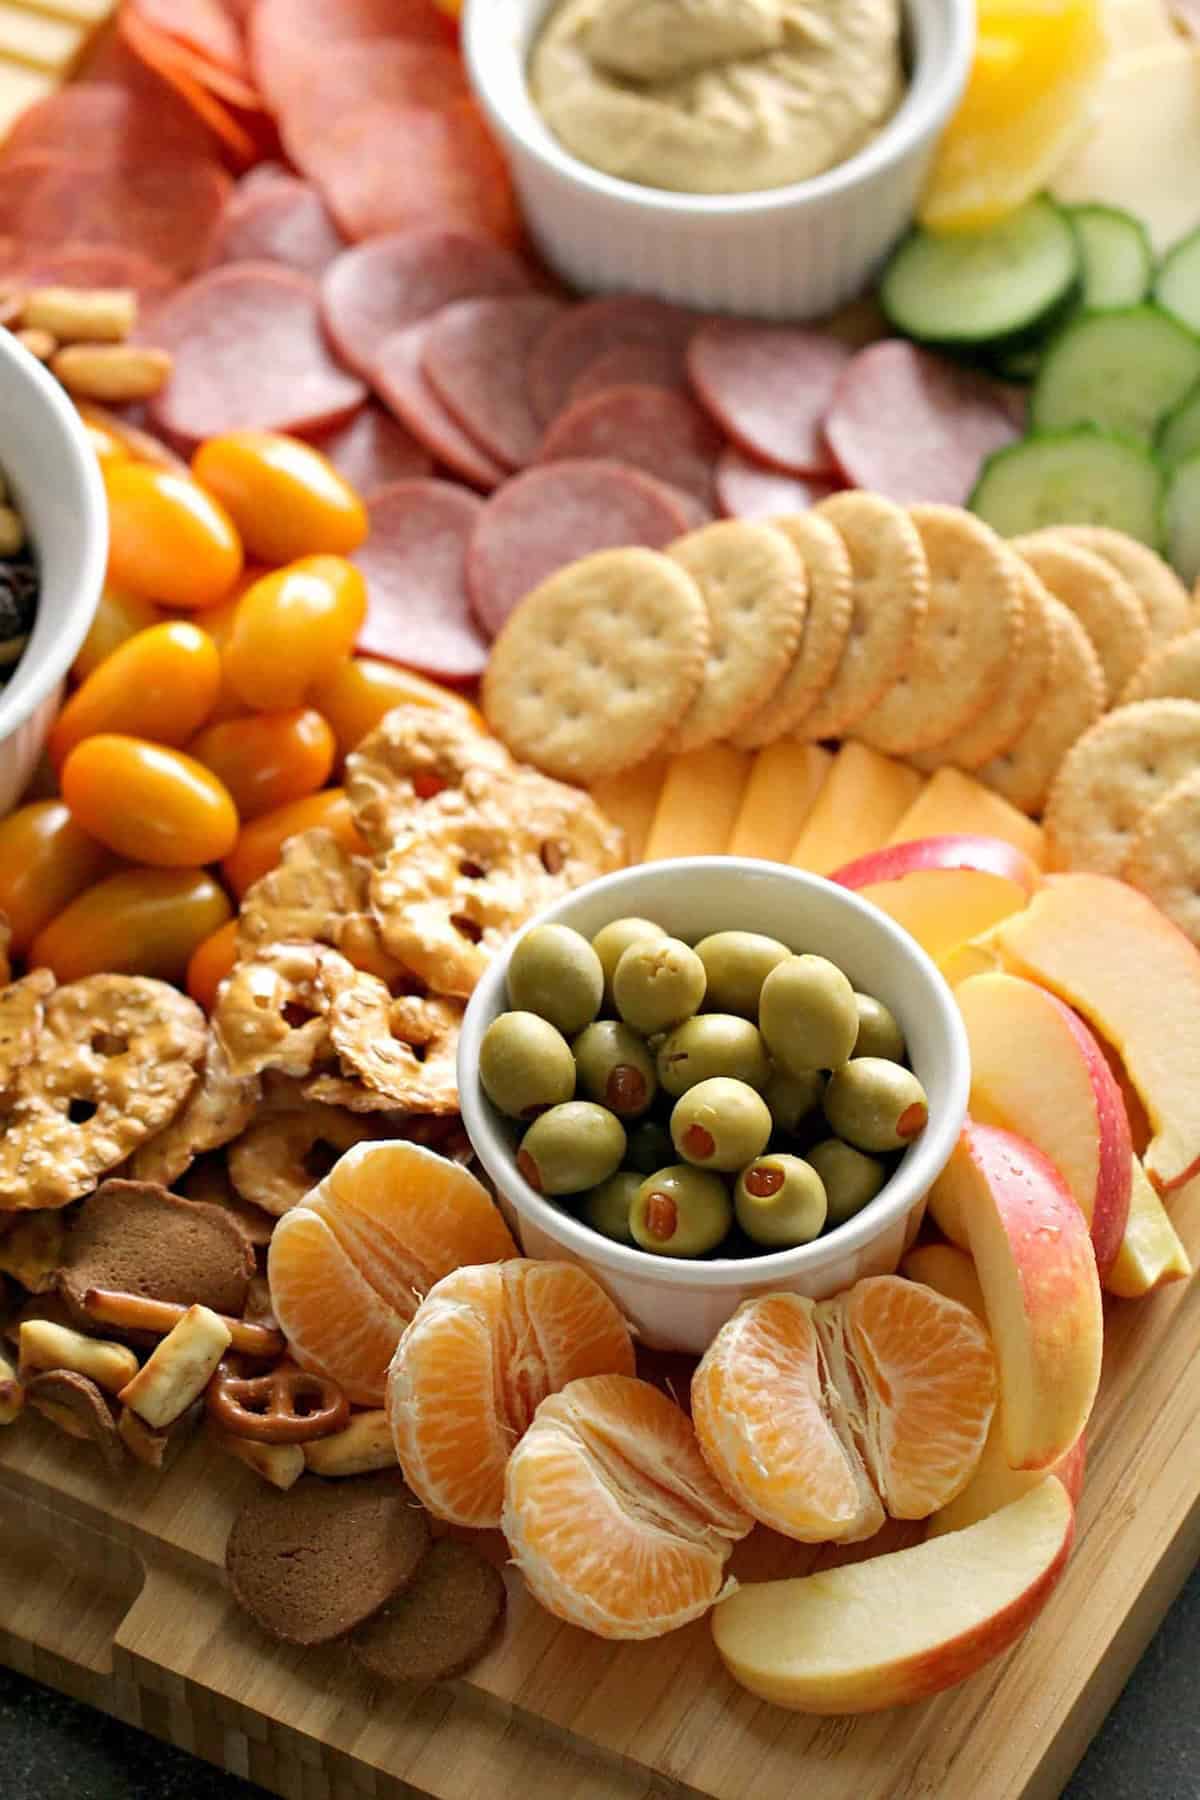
(952, 803)
(39, 40)
(1151, 1252)
(700, 801)
(861, 801)
(630, 801)
(784, 783)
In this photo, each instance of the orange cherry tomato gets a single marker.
(46, 858)
(290, 627)
(260, 843)
(168, 538)
(218, 622)
(148, 803)
(268, 759)
(107, 446)
(211, 961)
(355, 695)
(117, 618)
(286, 499)
(161, 684)
(140, 922)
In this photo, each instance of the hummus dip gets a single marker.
(717, 96)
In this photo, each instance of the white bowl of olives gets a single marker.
(711, 1078)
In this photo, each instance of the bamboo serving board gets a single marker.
(113, 1591)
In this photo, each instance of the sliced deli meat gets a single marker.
(769, 387)
(110, 120)
(345, 78)
(749, 489)
(99, 266)
(475, 354)
(664, 433)
(414, 563)
(913, 427)
(639, 365)
(399, 378)
(372, 450)
(285, 221)
(285, 37)
(551, 515)
(249, 355)
(165, 207)
(593, 328)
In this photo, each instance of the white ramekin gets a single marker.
(54, 477)
(678, 1305)
(781, 253)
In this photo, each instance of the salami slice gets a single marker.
(284, 222)
(373, 450)
(475, 355)
(287, 36)
(206, 27)
(591, 329)
(414, 562)
(345, 78)
(769, 387)
(651, 428)
(552, 514)
(249, 355)
(373, 290)
(164, 207)
(99, 266)
(914, 427)
(747, 489)
(400, 381)
(113, 121)
(638, 365)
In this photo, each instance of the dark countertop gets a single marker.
(52, 1749)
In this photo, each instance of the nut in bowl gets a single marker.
(678, 1298)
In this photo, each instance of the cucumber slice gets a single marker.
(1077, 477)
(1118, 263)
(1021, 364)
(1177, 284)
(983, 287)
(1181, 519)
(1120, 370)
(1179, 433)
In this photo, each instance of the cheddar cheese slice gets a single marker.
(700, 801)
(630, 801)
(861, 800)
(784, 783)
(952, 802)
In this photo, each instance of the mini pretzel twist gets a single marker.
(285, 1406)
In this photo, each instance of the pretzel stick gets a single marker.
(133, 1312)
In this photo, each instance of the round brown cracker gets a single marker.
(1069, 701)
(889, 594)
(133, 1237)
(598, 664)
(1172, 672)
(755, 588)
(1105, 604)
(312, 1563)
(1163, 596)
(76, 1405)
(971, 632)
(1111, 778)
(1164, 858)
(826, 628)
(442, 1622)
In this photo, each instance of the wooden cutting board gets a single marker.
(113, 1592)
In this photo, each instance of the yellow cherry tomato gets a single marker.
(140, 922)
(355, 695)
(162, 685)
(46, 858)
(168, 538)
(260, 843)
(268, 759)
(211, 961)
(290, 627)
(285, 498)
(117, 618)
(148, 803)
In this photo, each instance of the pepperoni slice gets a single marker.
(591, 329)
(638, 365)
(165, 207)
(914, 427)
(400, 381)
(769, 387)
(207, 27)
(99, 266)
(414, 561)
(287, 36)
(374, 450)
(474, 356)
(375, 289)
(663, 433)
(747, 489)
(249, 355)
(114, 121)
(285, 222)
(552, 514)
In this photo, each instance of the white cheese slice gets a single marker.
(37, 39)
(1133, 25)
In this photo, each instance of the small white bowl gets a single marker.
(680, 1305)
(54, 477)
(781, 253)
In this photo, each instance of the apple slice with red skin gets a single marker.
(944, 890)
(994, 1484)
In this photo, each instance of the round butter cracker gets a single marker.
(1164, 858)
(1112, 777)
(1068, 704)
(1105, 604)
(1163, 596)
(826, 628)
(1172, 672)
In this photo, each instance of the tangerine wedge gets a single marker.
(349, 1267)
(485, 1348)
(611, 1513)
(822, 1417)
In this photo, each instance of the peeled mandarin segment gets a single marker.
(138, 922)
(169, 540)
(285, 498)
(161, 684)
(46, 859)
(336, 1324)
(149, 803)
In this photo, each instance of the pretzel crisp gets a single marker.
(403, 1050)
(287, 1405)
(5, 948)
(116, 1060)
(414, 764)
(219, 1107)
(31, 1249)
(284, 1154)
(77, 1406)
(270, 1013)
(22, 1014)
(316, 894)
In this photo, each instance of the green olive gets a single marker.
(807, 1014)
(780, 1202)
(658, 984)
(615, 1068)
(571, 1147)
(650, 1146)
(850, 1178)
(612, 940)
(525, 1065)
(737, 963)
(878, 1032)
(875, 1104)
(554, 972)
(793, 1098)
(713, 1044)
(680, 1211)
(606, 1209)
(720, 1124)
